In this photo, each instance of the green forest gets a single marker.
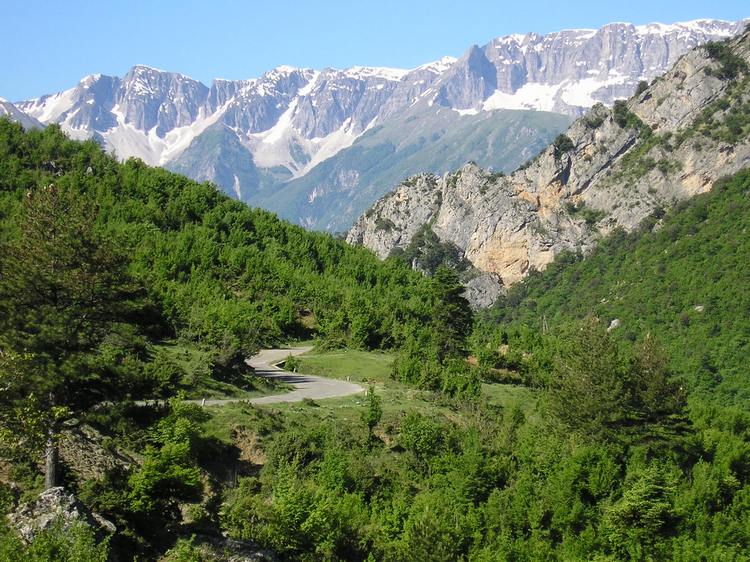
(598, 412)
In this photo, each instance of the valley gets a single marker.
(538, 355)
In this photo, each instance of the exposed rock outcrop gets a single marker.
(230, 550)
(612, 168)
(83, 451)
(483, 290)
(55, 506)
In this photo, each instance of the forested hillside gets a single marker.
(682, 278)
(122, 282)
(218, 271)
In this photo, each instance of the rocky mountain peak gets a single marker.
(149, 98)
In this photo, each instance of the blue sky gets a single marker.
(48, 46)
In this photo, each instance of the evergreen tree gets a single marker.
(597, 391)
(451, 315)
(63, 289)
(371, 416)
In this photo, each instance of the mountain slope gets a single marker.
(334, 193)
(612, 168)
(681, 279)
(220, 273)
(10, 111)
(290, 121)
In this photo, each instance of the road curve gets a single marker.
(305, 386)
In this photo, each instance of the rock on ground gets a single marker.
(55, 506)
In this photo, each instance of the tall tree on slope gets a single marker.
(63, 290)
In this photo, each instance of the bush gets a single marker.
(421, 435)
(589, 215)
(562, 145)
(164, 374)
(75, 544)
(291, 363)
(185, 551)
(593, 121)
(731, 65)
(427, 252)
(628, 120)
(461, 380)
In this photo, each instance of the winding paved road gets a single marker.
(305, 386)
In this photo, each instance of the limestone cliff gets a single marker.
(612, 168)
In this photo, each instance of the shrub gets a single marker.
(460, 380)
(627, 119)
(562, 145)
(731, 65)
(76, 544)
(291, 363)
(589, 215)
(593, 121)
(421, 435)
(384, 224)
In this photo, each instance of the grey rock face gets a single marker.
(413, 204)
(483, 290)
(231, 550)
(258, 104)
(341, 97)
(55, 506)
(82, 453)
(471, 79)
(616, 175)
(149, 98)
(599, 65)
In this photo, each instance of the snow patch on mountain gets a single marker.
(49, 109)
(540, 97)
(236, 187)
(715, 27)
(178, 139)
(393, 74)
(438, 66)
(328, 146)
(127, 140)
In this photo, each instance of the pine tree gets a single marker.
(63, 289)
(451, 315)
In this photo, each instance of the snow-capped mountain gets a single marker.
(570, 70)
(9, 110)
(256, 137)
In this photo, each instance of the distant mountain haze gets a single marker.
(320, 146)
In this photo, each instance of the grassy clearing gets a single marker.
(224, 419)
(358, 366)
(365, 368)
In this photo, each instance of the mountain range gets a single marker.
(612, 169)
(319, 146)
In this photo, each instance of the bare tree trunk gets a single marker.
(51, 461)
